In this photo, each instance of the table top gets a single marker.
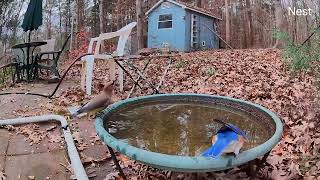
(29, 44)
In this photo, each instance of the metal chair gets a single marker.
(18, 58)
(8, 65)
(49, 47)
(52, 62)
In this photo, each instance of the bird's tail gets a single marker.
(74, 110)
(216, 149)
(212, 152)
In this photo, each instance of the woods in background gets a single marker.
(245, 23)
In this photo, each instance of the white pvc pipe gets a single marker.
(76, 163)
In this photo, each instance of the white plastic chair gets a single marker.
(87, 68)
(87, 74)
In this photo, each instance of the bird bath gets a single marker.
(169, 131)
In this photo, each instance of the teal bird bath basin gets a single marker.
(169, 131)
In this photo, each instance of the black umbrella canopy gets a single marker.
(33, 17)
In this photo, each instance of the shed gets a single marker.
(181, 27)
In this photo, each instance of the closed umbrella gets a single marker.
(33, 17)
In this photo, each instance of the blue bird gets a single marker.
(229, 139)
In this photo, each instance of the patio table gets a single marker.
(27, 46)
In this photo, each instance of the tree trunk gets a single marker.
(278, 19)
(60, 23)
(16, 26)
(80, 14)
(294, 24)
(68, 24)
(227, 22)
(199, 3)
(249, 21)
(101, 17)
(95, 19)
(307, 30)
(139, 24)
(242, 27)
(49, 22)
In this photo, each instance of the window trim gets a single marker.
(165, 21)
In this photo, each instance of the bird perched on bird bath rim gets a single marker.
(229, 139)
(100, 101)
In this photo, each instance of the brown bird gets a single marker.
(101, 100)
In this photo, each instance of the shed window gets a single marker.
(165, 21)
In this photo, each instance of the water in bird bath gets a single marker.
(181, 128)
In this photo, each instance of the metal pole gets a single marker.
(141, 75)
(116, 162)
(138, 79)
(119, 64)
(164, 74)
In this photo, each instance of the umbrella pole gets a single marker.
(29, 38)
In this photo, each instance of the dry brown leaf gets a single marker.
(2, 176)
(55, 138)
(113, 175)
(51, 128)
(31, 177)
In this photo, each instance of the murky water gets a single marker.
(180, 129)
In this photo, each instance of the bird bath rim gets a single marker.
(187, 163)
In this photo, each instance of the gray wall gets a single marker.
(205, 34)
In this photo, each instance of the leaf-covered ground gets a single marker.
(258, 75)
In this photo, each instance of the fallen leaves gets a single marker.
(55, 139)
(259, 75)
(113, 175)
(2, 176)
(31, 177)
(35, 134)
(32, 133)
(51, 128)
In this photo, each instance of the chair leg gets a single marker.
(112, 71)
(89, 74)
(18, 73)
(120, 77)
(83, 75)
(56, 72)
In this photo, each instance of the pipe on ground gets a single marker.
(76, 163)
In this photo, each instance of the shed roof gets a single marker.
(184, 6)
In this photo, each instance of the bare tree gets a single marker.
(80, 14)
(278, 19)
(249, 23)
(139, 23)
(227, 22)
(101, 17)
(48, 9)
(199, 3)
